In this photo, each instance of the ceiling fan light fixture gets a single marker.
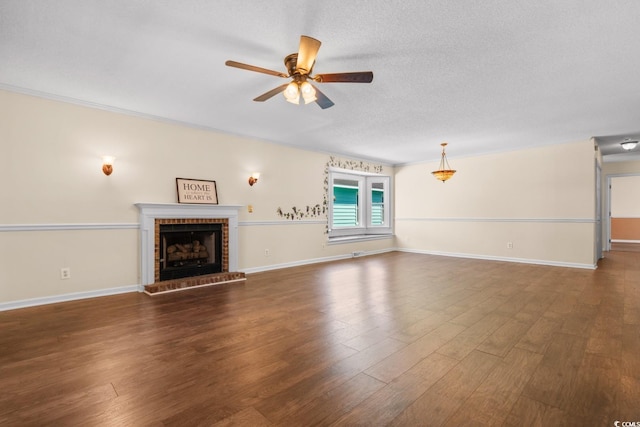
(292, 93)
(628, 144)
(309, 99)
(299, 68)
(308, 92)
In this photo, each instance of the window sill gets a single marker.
(338, 240)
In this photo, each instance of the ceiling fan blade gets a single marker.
(307, 53)
(271, 93)
(357, 77)
(322, 100)
(254, 68)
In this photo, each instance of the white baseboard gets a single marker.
(357, 254)
(624, 241)
(496, 258)
(68, 297)
(139, 288)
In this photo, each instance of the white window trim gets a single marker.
(365, 229)
(385, 228)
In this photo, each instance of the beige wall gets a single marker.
(77, 217)
(625, 197)
(542, 200)
(620, 168)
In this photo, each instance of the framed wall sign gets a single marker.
(197, 191)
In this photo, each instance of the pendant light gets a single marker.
(444, 171)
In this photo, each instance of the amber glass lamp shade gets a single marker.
(444, 171)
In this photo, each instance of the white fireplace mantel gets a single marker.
(150, 211)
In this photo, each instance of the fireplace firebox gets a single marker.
(188, 250)
(224, 255)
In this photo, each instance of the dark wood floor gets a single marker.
(396, 339)
(625, 247)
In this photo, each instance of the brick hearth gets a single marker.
(188, 282)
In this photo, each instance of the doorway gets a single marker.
(622, 215)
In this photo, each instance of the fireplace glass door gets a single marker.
(190, 250)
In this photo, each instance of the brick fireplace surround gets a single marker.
(152, 215)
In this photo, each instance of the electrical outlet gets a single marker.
(509, 245)
(65, 273)
(266, 252)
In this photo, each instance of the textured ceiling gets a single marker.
(484, 76)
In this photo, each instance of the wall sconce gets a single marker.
(107, 164)
(254, 178)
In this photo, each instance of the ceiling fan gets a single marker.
(299, 67)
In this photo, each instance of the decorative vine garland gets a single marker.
(314, 211)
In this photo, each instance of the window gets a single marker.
(359, 203)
